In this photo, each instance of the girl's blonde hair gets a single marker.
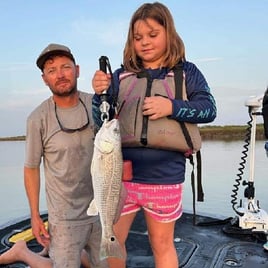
(175, 47)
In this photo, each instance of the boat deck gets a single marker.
(212, 243)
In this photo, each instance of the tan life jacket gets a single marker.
(164, 133)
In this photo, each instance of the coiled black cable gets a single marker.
(242, 164)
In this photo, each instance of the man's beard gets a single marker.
(65, 94)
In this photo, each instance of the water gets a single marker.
(13, 200)
(220, 163)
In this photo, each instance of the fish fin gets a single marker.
(106, 146)
(121, 203)
(92, 209)
(111, 248)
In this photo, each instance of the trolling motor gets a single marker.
(251, 216)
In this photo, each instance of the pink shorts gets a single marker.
(162, 202)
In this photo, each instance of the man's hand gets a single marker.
(40, 232)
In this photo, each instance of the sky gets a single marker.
(226, 39)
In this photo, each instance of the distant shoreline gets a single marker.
(226, 133)
(14, 138)
(230, 133)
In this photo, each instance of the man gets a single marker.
(60, 133)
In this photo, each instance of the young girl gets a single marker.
(153, 48)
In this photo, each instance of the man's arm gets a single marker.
(32, 187)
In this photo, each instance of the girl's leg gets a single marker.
(20, 252)
(121, 230)
(161, 236)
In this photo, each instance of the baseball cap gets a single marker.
(53, 49)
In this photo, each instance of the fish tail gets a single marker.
(111, 248)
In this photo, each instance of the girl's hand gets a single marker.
(101, 82)
(157, 107)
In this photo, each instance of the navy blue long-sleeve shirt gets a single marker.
(154, 166)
